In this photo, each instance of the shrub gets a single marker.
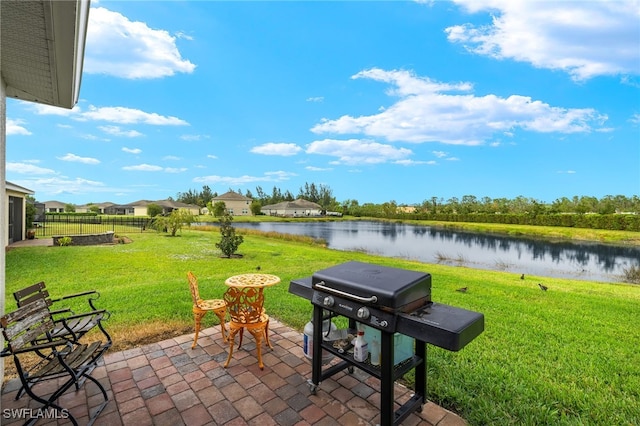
(174, 222)
(64, 241)
(153, 210)
(229, 241)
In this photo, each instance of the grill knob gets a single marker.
(328, 301)
(363, 313)
(383, 323)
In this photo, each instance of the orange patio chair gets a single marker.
(201, 307)
(246, 310)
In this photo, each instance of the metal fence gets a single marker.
(52, 225)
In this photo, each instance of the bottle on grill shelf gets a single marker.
(360, 348)
(307, 340)
(375, 352)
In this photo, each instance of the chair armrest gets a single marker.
(52, 344)
(74, 295)
(60, 311)
(93, 295)
(82, 315)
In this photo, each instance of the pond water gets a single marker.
(583, 261)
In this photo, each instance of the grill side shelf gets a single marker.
(441, 325)
(399, 370)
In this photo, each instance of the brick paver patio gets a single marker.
(168, 383)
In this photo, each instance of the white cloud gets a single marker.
(114, 114)
(117, 131)
(153, 168)
(175, 169)
(57, 186)
(277, 176)
(42, 109)
(182, 34)
(123, 115)
(315, 99)
(77, 159)
(414, 162)
(28, 169)
(282, 149)
(355, 151)
(122, 48)
(15, 127)
(318, 169)
(213, 157)
(193, 137)
(143, 168)
(132, 150)
(443, 155)
(170, 158)
(430, 111)
(583, 38)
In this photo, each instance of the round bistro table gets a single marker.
(252, 280)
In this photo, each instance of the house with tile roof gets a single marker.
(296, 208)
(139, 208)
(236, 204)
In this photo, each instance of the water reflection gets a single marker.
(586, 261)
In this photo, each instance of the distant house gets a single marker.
(89, 208)
(407, 209)
(53, 206)
(16, 213)
(297, 208)
(139, 208)
(236, 204)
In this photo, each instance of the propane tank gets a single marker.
(307, 340)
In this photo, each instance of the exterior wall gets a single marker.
(4, 205)
(54, 207)
(298, 212)
(238, 208)
(295, 212)
(139, 210)
(193, 210)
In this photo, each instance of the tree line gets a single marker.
(468, 204)
(320, 194)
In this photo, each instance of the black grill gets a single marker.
(396, 302)
(390, 289)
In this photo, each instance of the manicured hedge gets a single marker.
(613, 222)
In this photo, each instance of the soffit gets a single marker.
(42, 48)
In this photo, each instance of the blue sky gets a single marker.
(380, 101)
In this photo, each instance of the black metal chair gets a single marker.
(67, 322)
(61, 360)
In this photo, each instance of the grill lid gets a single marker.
(393, 288)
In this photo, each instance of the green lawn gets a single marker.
(566, 356)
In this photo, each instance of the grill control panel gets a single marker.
(367, 315)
